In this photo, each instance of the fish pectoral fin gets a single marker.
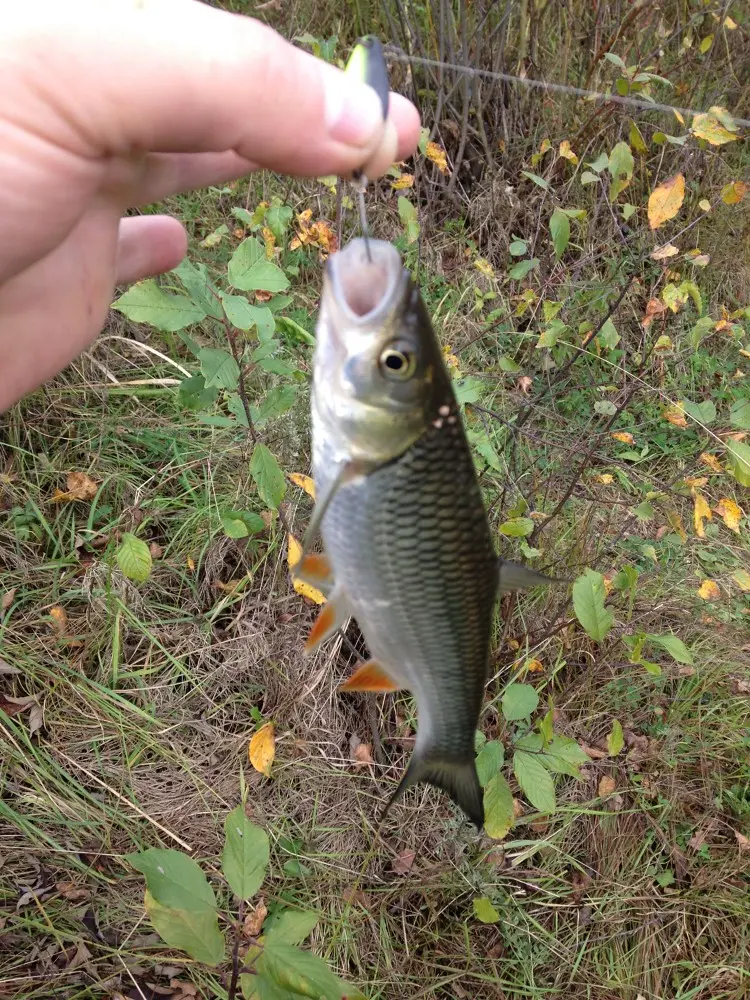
(315, 570)
(514, 576)
(346, 473)
(370, 676)
(331, 617)
(456, 776)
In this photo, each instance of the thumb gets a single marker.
(180, 76)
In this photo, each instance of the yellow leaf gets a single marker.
(664, 251)
(567, 152)
(262, 749)
(449, 357)
(302, 588)
(270, 242)
(706, 44)
(708, 126)
(709, 590)
(607, 785)
(606, 478)
(676, 522)
(437, 155)
(701, 260)
(80, 487)
(701, 512)
(190, 563)
(403, 182)
(545, 147)
(663, 343)
(665, 201)
(729, 23)
(675, 415)
(704, 205)
(484, 267)
(742, 578)
(678, 116)
(733, 193)
(730, 513)
(304, 482)
(623, 436)
(535, 666)
(59, 619)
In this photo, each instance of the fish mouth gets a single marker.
(366, 279)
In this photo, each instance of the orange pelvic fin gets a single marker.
(314, 569)
(332, 615)
(369, 676)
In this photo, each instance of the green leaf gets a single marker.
(559, 227)
(199, 287)
(563, 755)
(550, 336)
(615, 59)
(293, 332)
(241, 523)
(278, 218)
(134, 558)
(408, 215)
(245, 854)
(299, 972)
(636, 139)
(587, 177)
(651, 668)
(174, 880)
(276, 402)
(535, 781)
(674, 646)
(193, 931)
(605, 408)
(484, 911)
(519, 701)
(588, 604)
(608, 336)
(739, 460)
(506, 364)
(739, 415)
(268, 476)
(644, 511)
(518, 248)
(615, 740)
(517, 527)
(249, 270)
(489, 761)
(522, 268)
(219, 368)
(499, 814)
(539, 181)
(291, 926)
(234, 527)
(704, 412)
(193, 394)
(147, 302)
(600, 163)
(621, 166)
(245, 316)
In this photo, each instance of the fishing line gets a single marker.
(398, 55)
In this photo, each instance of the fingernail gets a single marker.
(352, 109)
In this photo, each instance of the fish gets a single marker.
(407, 546)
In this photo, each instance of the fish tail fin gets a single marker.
(514, 576)
(456, 776)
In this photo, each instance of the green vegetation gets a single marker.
(586, 266)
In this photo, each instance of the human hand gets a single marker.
(112, 104)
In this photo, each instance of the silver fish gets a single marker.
(408, 550)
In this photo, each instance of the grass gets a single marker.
(634, 887)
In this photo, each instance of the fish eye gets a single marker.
(398, 363)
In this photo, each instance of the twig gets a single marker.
(232, 992)
(232, 339)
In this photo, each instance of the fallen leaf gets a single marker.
(709, 127)
(695, 480)
(80, 487)
(704, 205)
(5, 668)
(304, 482)
(666, 200)
(437, 155)
(654, 307)
(730, 513)
(7, 599)
(402, 863)
(709, 590)
(701, 513)
(701, 260)
(535, 666)
(675, 414)
(403, 182)
(606, 478)
(733, 193)
(484, 267)
(664, 251)
(711, 461)
(743, 842)
(363, 754)
(738, 685)
(253, 922)
(261, 296)
(262, 749)
(676, 522)
(59, 619)
(623, 436)
(518, 808)
(524, 383)
(156, 550)
(190, 563)
(607, 785)
(300, 586)
(75, 893)
(741, 577)
(567, 152)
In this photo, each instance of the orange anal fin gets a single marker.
(331, 616)
(369, 676)
(314, 569)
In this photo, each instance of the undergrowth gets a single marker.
(149, 627)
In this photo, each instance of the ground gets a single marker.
(127, 707)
